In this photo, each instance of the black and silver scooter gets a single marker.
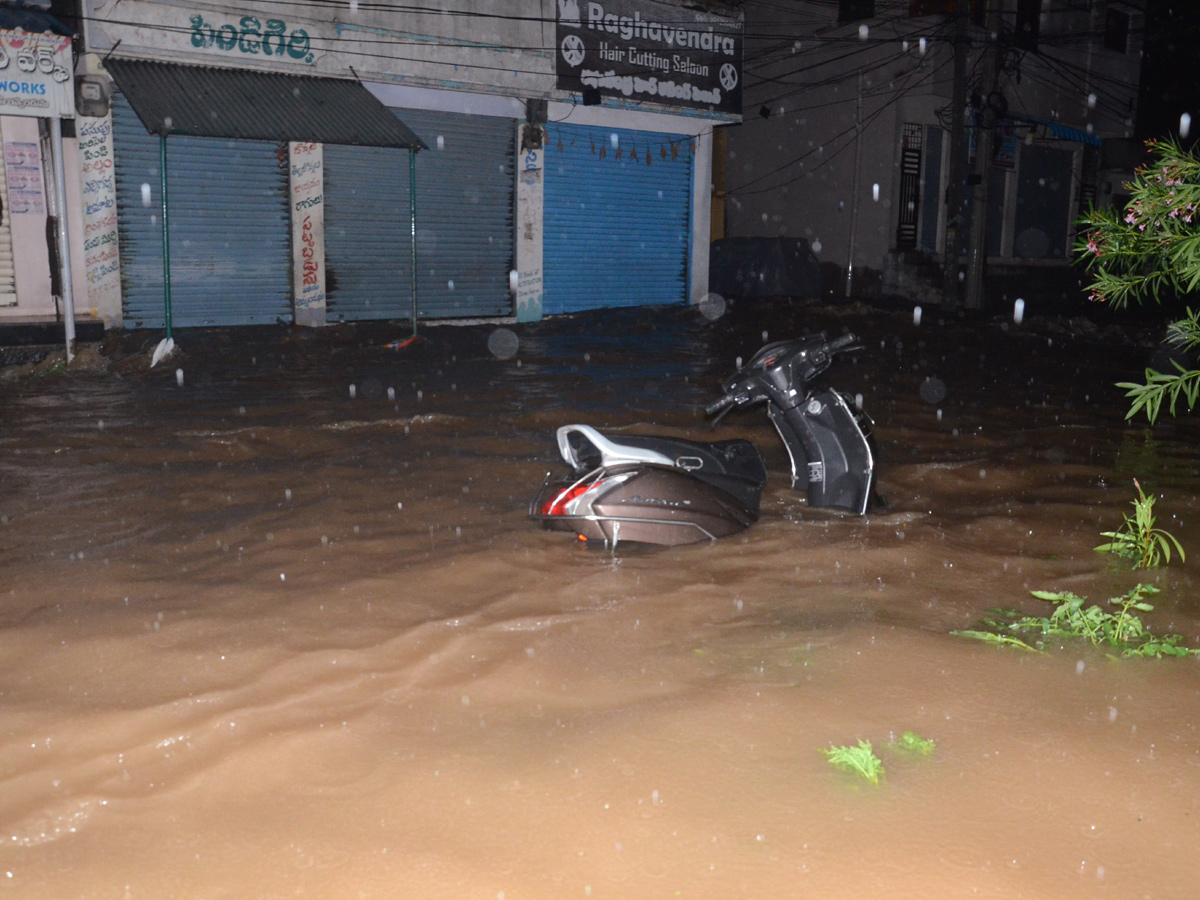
(663, 490)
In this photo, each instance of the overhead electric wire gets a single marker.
(899, 92)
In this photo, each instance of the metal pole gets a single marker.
(977, 248)
(166, 237)
(958, 150)
(854, 190)
(412, 224)
(64, 246)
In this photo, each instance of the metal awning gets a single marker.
(1062, 132)
(204, 101)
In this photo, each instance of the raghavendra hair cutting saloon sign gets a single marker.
(652, 52)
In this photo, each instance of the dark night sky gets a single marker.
(1170, 82)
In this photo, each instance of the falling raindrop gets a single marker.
(858, 401)
(353, 6)
(1185, 124)
(441, 142)
(738, 364)
(179, 377)
(399, 506)
(168, 122)
(391, 394)
(1018, 310)
(816, 246)
(863, 32)
(503, 343)
(962, 276)
(420, 395)
(513, 279)
(100, 424)
(1079, 667)
(1091, 101)
(614, 140)
(450, 284)
(939, 415)
(904, 46)
(933, 390)
(921, 46)
(916, 315)
(282, 577)
(145, 194)
(353, 392)
(712, 307)
(875, 192)
(287, 494)
(795, 46)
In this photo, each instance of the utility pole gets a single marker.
(985, 133)
(854, 191)
(958, 150)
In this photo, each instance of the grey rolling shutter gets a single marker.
(230, 238)
(465, 187)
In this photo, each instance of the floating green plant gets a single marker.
(860, 759)
(1122, 630)
(911, 742)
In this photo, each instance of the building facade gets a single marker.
(42, 268)
(849, 110)
(564, 159)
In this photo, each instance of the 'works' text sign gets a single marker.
(652, 52)
(35, 75)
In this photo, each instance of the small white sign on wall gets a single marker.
(306, 178)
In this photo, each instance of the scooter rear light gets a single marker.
(557, 505)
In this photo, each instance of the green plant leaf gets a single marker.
(911, 742)
(860, 759)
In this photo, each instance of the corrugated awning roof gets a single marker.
(237, 103)
(1062, 132)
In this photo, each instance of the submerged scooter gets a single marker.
(663, 490)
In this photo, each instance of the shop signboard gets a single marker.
(35, 75)
(644, 51)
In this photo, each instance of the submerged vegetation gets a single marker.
(861, 759)
(911, 742)
(1138, 540)
(1122, 630)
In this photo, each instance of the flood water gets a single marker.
(260, 638)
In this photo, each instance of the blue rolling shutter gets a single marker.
(464, 222)
(230, 240)
(617, 220)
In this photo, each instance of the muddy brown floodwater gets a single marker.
(262, 639)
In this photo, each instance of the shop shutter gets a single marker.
(230, 236)
(617, 220)
(464, 222)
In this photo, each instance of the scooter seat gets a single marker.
(583, 447)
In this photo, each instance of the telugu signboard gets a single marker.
(648, 51)
(35, 75)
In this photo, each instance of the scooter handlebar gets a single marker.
(845, 342)
(722, 403)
